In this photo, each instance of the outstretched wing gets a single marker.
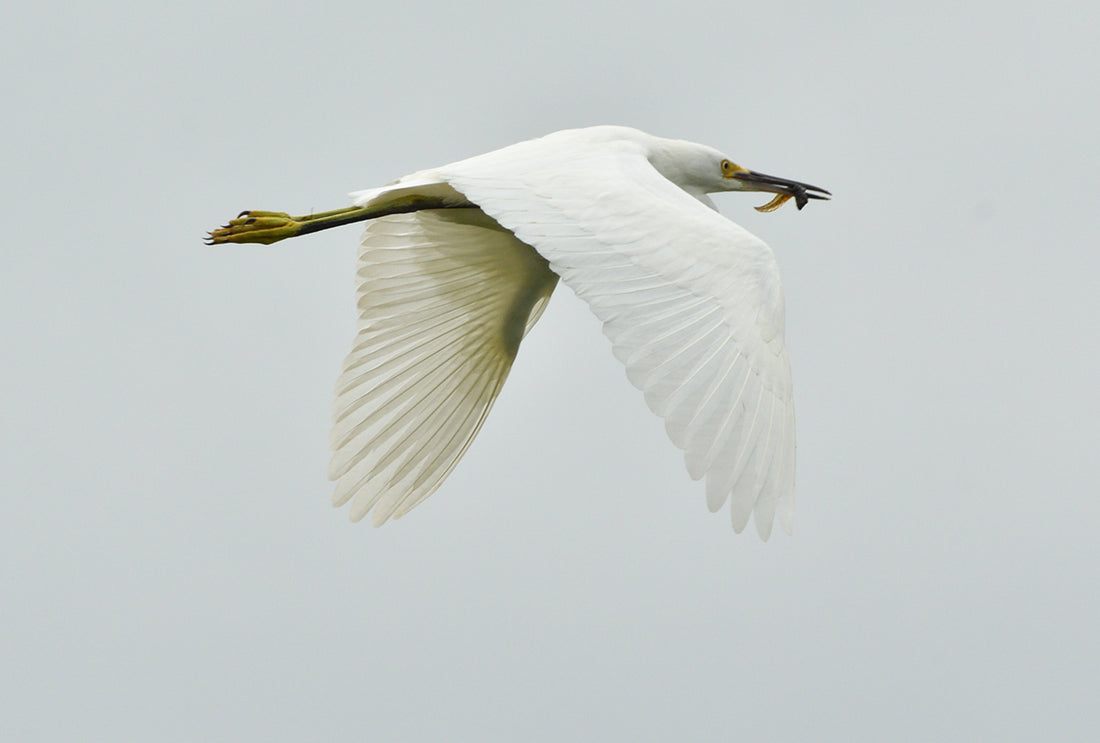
(444, 297)
(691, 302)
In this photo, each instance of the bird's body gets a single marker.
(458, 262)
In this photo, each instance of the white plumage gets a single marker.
(691, 302)
(445, 296)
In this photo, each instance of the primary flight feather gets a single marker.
(457, 263)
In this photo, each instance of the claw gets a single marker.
(255, 226)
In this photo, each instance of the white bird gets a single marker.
(458, 262)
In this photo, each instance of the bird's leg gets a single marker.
(257, 226)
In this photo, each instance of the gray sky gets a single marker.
(170, 568)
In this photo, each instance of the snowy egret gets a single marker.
(458, 262)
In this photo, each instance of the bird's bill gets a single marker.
(785, 188)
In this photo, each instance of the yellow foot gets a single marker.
(256, 227)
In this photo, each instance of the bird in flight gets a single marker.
(458, 262)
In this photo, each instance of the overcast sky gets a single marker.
(170, 567)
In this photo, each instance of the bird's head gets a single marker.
(702, 170)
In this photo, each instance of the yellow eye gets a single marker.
(728, 168)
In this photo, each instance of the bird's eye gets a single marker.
(727, 167)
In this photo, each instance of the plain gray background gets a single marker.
(169, 565)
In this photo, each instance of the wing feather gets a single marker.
(691, 302)
(444, 298)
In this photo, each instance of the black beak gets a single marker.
(802, 192)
